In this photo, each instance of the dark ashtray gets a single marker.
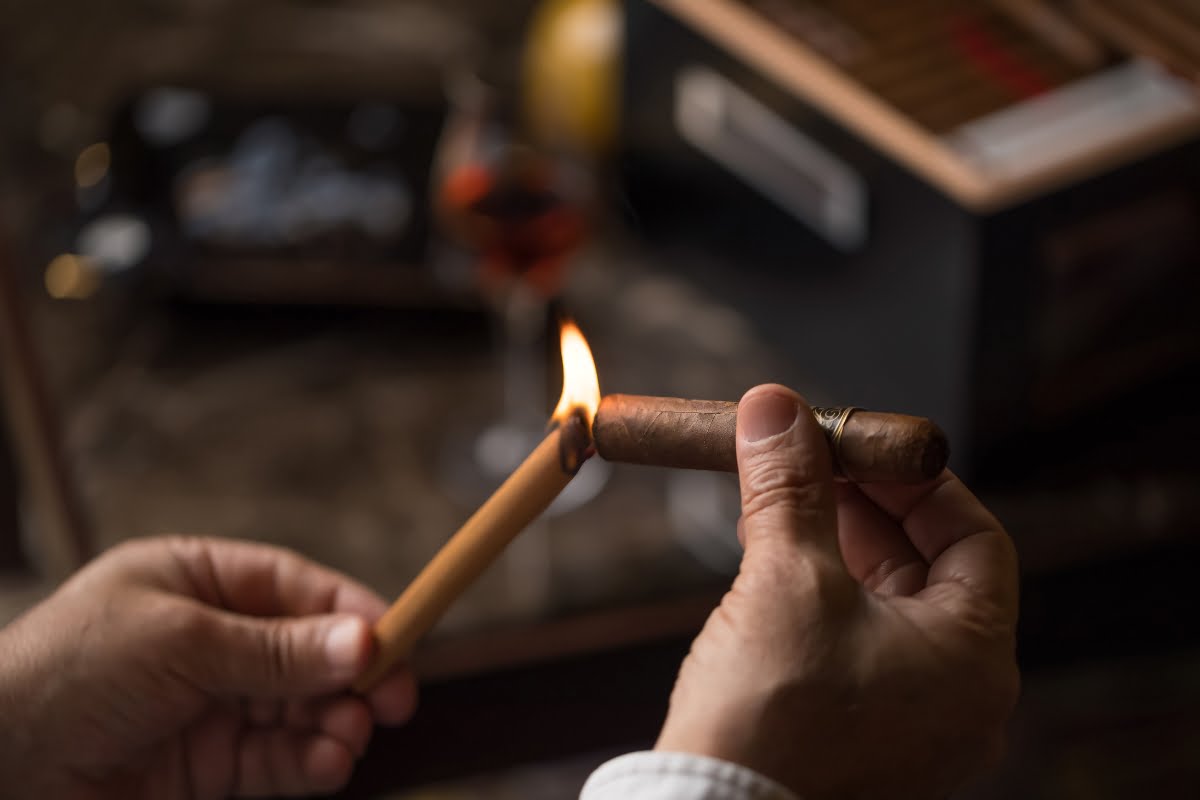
(262, 200)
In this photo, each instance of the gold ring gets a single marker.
(833, 423)
(840, 426)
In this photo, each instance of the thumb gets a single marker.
(284, 656)
(786, 478)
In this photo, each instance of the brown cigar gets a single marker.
(867, 446)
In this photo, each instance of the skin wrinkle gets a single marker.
(886, 570)
(987, 619)
(279, 651)
(802, 506)
(187, 552)
(205, 560)
(924, 495)
(934, 550)
(981, 588)
(919, 514)
(183, 572)
(771, 468)
(275, 590)
(180, 676)
(335, 598)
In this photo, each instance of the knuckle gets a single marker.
(185, 626)
(127, 547)
(789, 512)
(837, 598)
(179, 545)
(789, 465)
(786, 477)
(126, 556)
(184, 634)
(181, 540)
(279, 651)
(828, 582)
(780, 492)
(980, 616)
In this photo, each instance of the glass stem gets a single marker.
(523, 320)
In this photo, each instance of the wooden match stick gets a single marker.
(519, 501)
(866, 446)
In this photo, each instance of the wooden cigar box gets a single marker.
(986, 213)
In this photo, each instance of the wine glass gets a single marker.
(519, 213)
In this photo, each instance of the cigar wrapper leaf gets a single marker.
(866, 446)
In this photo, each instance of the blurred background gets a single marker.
(291, 271)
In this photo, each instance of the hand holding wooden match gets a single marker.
(663, 431)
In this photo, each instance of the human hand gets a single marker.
(866, 647)
(196, 668)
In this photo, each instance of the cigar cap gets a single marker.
(876, 446)
(937, 451)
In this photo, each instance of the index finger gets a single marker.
(957, 536)
(267, 581)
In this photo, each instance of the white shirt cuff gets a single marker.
(678, 776)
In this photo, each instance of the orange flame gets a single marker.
(581, 385)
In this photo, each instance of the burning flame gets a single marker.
(581, 385)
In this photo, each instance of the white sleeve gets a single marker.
(678, 776)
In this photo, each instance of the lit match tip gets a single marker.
(581, 385)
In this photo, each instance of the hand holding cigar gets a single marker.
(663, 431)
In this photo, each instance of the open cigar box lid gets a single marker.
(993, 102)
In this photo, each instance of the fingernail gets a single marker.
(766, 414)
(343, 644)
